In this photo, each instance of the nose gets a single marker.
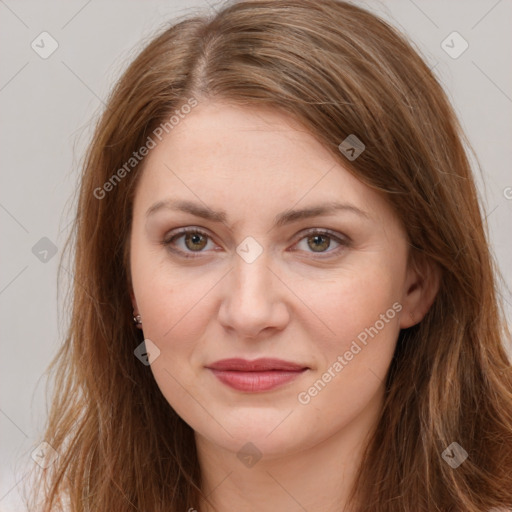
(254, 299)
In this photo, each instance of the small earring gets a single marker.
(137, 320)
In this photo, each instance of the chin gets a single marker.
(265, 434)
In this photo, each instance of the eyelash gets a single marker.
(343, 241)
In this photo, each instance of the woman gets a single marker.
(284, 297)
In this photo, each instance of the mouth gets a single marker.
(255, 376)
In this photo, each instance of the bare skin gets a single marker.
(305, 299)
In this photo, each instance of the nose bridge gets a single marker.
(251, 301)
(251, 279)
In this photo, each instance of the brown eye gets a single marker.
(319, 243)
(195, 241)
(188, 241)
(322, 242)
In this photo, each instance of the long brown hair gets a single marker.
(339, 70)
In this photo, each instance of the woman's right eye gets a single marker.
(188, 241)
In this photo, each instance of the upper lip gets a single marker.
(257, 365)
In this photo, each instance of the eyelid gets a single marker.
(175, 233)
(341, 237)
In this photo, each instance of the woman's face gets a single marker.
(288, 257)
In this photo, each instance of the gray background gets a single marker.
(48, 107)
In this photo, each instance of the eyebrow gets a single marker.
(282, 219)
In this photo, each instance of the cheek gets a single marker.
(167, 296)
(175, 309)
(352, 301)
(360, 307)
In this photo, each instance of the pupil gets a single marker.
(318, 239)
(195, 239)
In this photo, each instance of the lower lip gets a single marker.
(256, 381)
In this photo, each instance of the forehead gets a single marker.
(248, 159)
(217, 134)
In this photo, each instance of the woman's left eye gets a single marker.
(320, 241)
(192, 240)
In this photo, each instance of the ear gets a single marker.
(420, 289)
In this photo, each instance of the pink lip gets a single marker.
(258, 375)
